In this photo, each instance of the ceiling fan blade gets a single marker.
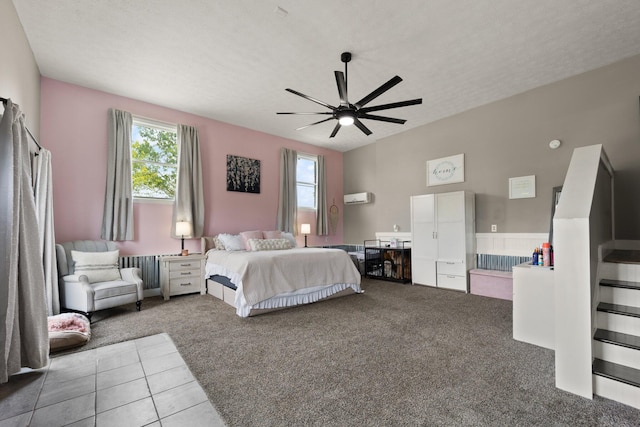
(376, 93)
(362, 127)
(381, 118)
(312, 124)
(342, 88)
(317, 101)
(392, 105)
(335, 130)
(324, 112)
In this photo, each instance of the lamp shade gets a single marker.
(183, 228)
(305, 229)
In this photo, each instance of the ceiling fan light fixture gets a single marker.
(345, 117)
(346, 120)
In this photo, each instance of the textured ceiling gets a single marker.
(231, 60)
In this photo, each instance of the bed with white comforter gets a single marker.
(274, 279)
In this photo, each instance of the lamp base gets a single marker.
(305, 241)
(185, 252)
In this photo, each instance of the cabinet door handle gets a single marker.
(185, 265)
(186, 273)
(185, 284)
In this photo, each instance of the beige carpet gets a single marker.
(395, 355)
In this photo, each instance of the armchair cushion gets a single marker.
(97, 266)
(113, 289)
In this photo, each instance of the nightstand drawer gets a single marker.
(174, 274)
(184, 265)
(186, 285)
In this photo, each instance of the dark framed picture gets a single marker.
(243, 174)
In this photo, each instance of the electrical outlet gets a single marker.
(494, 228)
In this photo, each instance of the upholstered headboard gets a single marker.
(206, 243)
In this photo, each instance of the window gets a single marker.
(154, 160)
(307, 181)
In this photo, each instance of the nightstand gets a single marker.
(182, 275)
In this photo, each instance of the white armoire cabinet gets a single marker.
(443, 239)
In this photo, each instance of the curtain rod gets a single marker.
(4, 102)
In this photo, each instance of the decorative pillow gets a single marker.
(68, 330)
(97, 266)
(272, 234)
(246, 235)
(218, 245)
(232, 242)
(269, 244)
(291, 238)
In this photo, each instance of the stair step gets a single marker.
(618, 338)
(620, 284)
(617, 372)
(623, 310)
(623, 256)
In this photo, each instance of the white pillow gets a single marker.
(97, 266)
(269, 244)
(290, 237)
(232, 242)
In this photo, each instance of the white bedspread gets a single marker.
(264, 274)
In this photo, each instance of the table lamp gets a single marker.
(306, 230)
(183, 228)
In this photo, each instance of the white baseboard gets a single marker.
(616, 390)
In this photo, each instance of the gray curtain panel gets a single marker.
(117, 217)
(288, 202)
(24, 338)
(322, 216)
(43, 191)
(189, 201)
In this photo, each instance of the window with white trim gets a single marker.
(154, 159)
(307, 181)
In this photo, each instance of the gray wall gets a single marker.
(19, 73)
(508, 138)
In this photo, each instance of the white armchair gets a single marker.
(87, 292)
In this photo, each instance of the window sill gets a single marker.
(154, 201)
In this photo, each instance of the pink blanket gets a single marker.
(67, 323)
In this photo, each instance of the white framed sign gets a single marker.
(447, 170)
(522, 187)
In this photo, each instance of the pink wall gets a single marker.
(74, 129)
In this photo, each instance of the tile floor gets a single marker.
(144, 382)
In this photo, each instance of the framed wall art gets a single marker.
(522, 187)
(243, 174)
(447, 170)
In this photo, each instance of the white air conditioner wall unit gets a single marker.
(355, 198)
